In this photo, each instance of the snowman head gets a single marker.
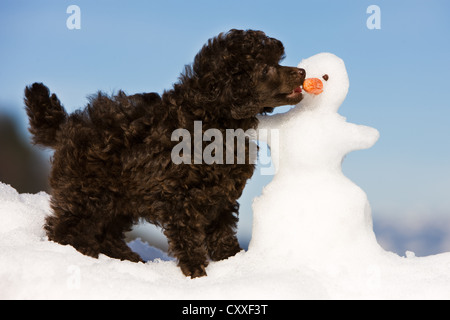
(331, 71)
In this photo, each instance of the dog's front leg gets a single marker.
(221, 239)
(187, 244)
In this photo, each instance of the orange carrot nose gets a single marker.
(313, 86)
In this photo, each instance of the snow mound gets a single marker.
(312, 235)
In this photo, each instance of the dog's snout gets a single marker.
(298, 73)
(301, 72)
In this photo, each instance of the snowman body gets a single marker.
(311, 212)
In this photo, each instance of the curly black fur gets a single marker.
(112, 162)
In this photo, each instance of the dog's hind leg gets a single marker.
(113, 244)
(67, 228)
(91, 235)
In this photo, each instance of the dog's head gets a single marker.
(240, 70)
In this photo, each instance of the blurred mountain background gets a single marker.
(22, 165)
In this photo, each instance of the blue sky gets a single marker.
(399, 75)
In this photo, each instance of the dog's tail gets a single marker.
(46, 114)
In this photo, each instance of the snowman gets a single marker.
(311, 213)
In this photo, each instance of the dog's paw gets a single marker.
(132, 256)
(89, 251)
(194, 271)
(225, 253)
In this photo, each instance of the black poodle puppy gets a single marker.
(112, 164)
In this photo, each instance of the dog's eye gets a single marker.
(325, 77)
(265, 71)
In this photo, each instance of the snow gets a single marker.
(31, 267)
(312, 235)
